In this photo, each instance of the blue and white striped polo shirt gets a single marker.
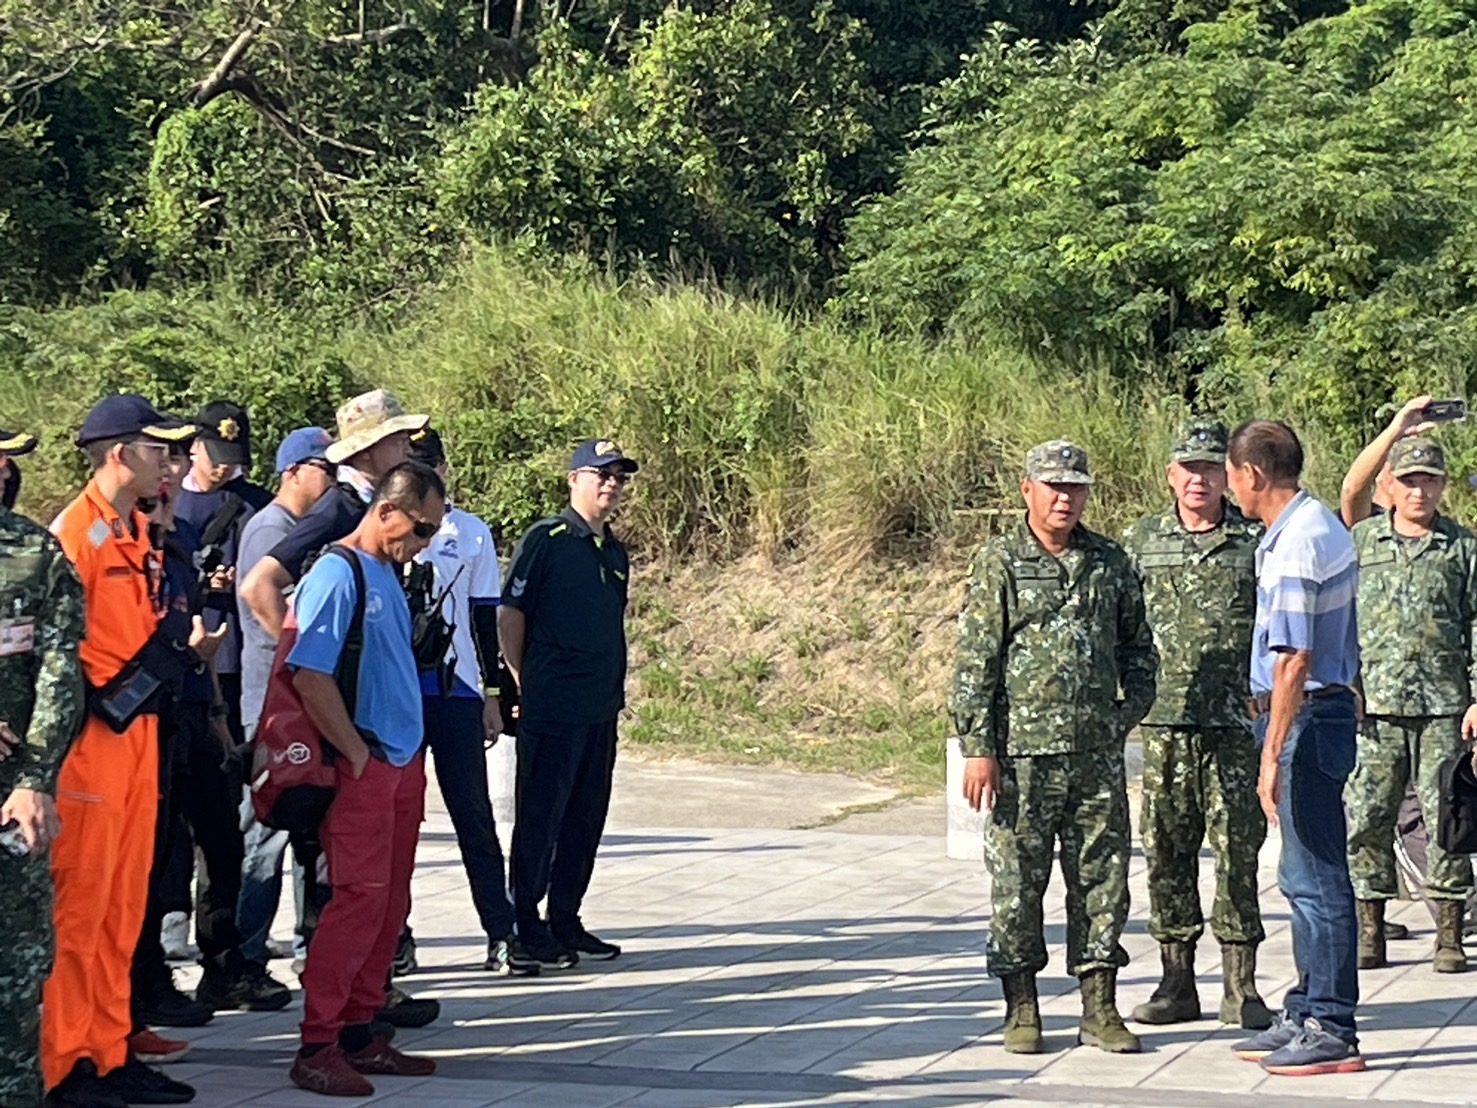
(1306, 580)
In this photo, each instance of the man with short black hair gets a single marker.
(1304, 661)
(562, 627)
(370, 830)
(373, 437)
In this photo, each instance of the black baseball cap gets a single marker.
(16, 443)
(226, 433)
(426, 446)
(127, 415)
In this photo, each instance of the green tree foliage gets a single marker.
(737, 138)
(1252, 207)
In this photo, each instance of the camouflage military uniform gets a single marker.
(1417, 625)
(41, 698)
(1044, 645)
(1200, 759)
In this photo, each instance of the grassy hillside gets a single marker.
(809, 492)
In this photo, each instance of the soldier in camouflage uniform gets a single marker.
(1197, 562)
(1053, 627)
(1418, 638)
(41, 706)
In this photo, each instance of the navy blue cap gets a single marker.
(128, 415)
(226, 432)
(599, 453)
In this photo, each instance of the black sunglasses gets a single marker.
(423, 528)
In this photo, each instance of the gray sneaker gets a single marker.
(1283, 1030)
(1314, 1051)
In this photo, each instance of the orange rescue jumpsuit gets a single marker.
(107, 796)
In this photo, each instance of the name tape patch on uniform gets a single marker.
(17, 636)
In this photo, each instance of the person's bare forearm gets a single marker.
(325, 706)
(264, 593)
(512, 634)
(1289, 675)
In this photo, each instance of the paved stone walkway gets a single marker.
(785, 968)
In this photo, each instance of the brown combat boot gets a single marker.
(1242, 1004)
(1371, 934)
(1450, 957)
(1102, 1026)
(1022, 1015)
(1175, 1000)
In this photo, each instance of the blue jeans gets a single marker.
(1313, 872)
(261, 884)
(454, 736)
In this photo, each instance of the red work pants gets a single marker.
(369, 838)
(107, 796)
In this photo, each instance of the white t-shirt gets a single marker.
(464, 556)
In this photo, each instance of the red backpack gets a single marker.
(292, 774)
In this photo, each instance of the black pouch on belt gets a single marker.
(156, 671)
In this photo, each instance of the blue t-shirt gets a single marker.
(389, 694)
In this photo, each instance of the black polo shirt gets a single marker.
(571, 585)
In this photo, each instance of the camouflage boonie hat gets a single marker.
(1199, 440)
(1417, 454)
(1058, 462)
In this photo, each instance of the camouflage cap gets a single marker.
(1417, 454)
(1199, 440)
(1058, 462)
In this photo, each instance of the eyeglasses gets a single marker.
(318, 464)
(619, 476)
(160, 450)
(423, 528)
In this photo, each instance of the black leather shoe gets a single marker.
(404, 1010)
(573, 936)
(137, 1083)
(83, 1088)
(164, 1005)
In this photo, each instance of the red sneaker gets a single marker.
(328, 1072)
(154, 1049)
(380, 1057)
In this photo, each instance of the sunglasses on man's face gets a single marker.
(423, 528)
(619, 476)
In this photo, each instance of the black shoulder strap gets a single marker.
(224, 519)
(347, 671)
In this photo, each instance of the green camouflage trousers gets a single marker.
(25, 960)
(1201, 785)
(1394, 751)
(1077, 799)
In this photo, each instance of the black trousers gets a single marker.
(455, 738)
(564, 776)
(198, 800)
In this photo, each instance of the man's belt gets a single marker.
(1260, 704)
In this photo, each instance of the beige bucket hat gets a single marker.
(367, 419)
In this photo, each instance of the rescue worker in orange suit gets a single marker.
(108, 789)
